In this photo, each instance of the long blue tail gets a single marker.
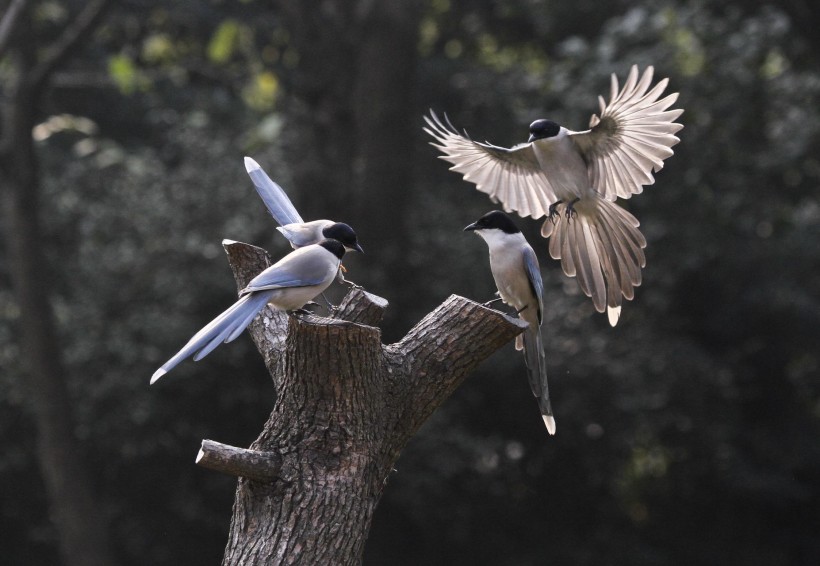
(536, 361)
(274, 196)
(224, 328)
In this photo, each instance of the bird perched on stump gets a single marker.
(518, 279)
(286, 285)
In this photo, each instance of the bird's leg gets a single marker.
(491, 301)
(553, 215)
(570, 212)
(303, 310)
(341, 278)
(299, 313)
(521, 309)
(352, 284)
(330, 306)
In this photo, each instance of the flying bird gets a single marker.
(573, 178)
(287, 285)
(518, 278)
(298, 232)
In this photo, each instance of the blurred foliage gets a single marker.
(687, 433)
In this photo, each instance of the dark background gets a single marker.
(687, 434)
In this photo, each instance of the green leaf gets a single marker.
(224, 42)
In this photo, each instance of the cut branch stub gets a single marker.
(445, 347)
(361, 307)
(252, 464)
(346, 405)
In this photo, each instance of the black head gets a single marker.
(333, 246)
(541, 129)
(344, 234)
(494, 220)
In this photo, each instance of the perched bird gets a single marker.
(518, 279)
(298, 232)
(573, 178)
(286, 285)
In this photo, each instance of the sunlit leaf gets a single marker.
(262, 91)
(125, 74)
(158, 48)
(224, 42)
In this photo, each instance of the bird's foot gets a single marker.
(570, 211)
(491, 301)
(554, 215)
(299, 313)
(352, 284)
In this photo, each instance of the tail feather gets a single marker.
(536, 362)
(224, 328)
(603, 248)
(627, 259)
(627, 225)
(274, 196)
(621, 283)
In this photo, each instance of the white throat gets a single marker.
(498, 240)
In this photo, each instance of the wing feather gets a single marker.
(534, 275)
(511, 176)
(304, 267)
(632, 136)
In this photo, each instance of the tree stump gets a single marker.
(346, 406)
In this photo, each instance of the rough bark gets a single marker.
(346, 407)
(75, 510)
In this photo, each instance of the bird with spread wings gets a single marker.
(573, 179)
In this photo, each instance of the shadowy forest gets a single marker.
(688, 434)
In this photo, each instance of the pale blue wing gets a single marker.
(273, 195)
(534, 275)
(311, 265)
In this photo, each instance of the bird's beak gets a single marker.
(471, 227)
(531, 138)
(358, 248)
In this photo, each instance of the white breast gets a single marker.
(507, 266)
(563, 165)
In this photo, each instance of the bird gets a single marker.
(517, 276)
(574, 177)
(287, 285)
(298, 232)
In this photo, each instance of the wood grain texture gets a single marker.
(346, 406)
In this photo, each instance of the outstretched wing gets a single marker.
(274, 197)
(631, 138)
(510, 176)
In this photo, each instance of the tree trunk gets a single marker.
(346, 407)
(77, 514)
